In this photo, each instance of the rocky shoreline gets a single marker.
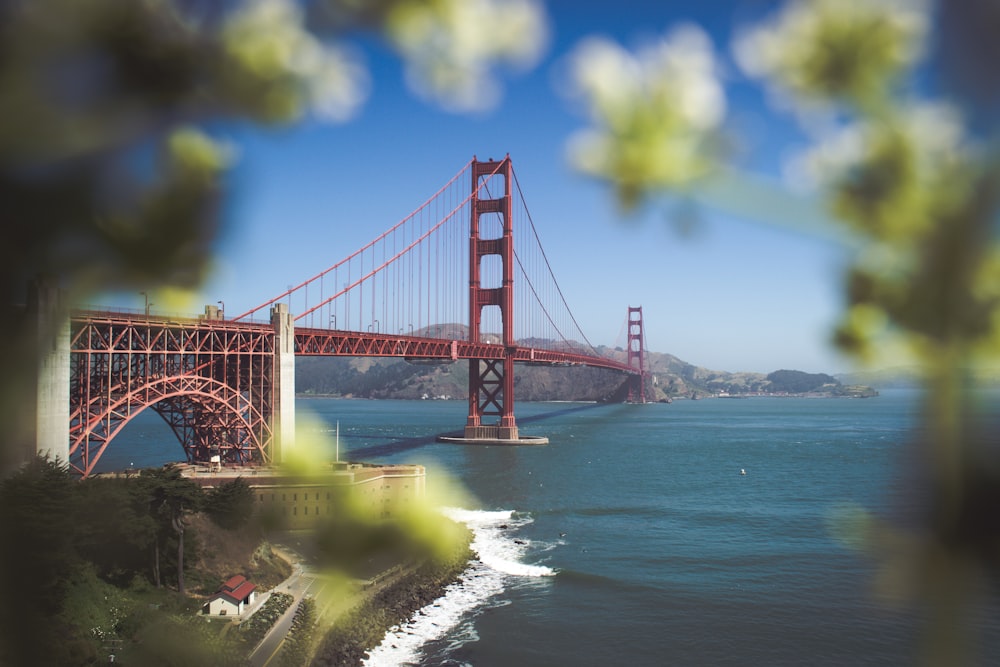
(362, 628)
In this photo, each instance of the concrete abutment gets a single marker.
(47, 310)
(283, 384)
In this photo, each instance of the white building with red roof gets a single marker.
(233, 597)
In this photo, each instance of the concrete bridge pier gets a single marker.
(283, 384)
(46, 310)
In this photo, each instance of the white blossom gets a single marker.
(654, 112)
(451, 46)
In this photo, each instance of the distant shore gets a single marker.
(852, 391)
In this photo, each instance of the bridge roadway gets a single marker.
(226, 387)
(324, 342)
(342, 343)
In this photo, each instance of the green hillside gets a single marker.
(669, 378)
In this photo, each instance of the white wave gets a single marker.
(493, 542)
(499, 553)
(479, 518)
(402, 645)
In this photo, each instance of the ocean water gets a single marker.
(634, 539)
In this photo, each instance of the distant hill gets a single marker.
(798, 382)
(669, 378)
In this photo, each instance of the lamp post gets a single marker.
(147, 303)
(222, 309)
(333, 321)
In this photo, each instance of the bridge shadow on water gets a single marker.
(402, 445)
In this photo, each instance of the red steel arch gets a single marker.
(209, 418)
(209, 379)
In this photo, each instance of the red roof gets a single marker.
(233, 583)
(240, 594)
(236, 588)
(244, 591)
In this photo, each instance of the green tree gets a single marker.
(170, 497)
(117, 530)
(799, 381)
(231, 504)
(37, 559)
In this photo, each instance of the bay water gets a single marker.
(692, 533)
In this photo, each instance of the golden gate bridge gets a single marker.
(451, 281)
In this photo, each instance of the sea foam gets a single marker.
(499, 554)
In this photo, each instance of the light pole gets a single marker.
(147, 303)
(376, 326)
(333, 321)
(222, 309)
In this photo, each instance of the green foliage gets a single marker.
(231, 504)
(65, 540)
(182, 640)
(37, 559)
(170, 498)
(655, 114)
(169, 493)
(821, 48)
(254, 628)
(92, 89)
(101, 614)
(798, 382)
(120, 528)
(297, 647)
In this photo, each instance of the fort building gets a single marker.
(300, 501)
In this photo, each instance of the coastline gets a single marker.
(361, 628)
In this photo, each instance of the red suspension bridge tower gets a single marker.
(636, 356)
(491, 381)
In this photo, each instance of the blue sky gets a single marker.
(735, 293)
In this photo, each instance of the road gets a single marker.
(301, 583)
(304, 582)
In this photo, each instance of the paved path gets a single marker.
(304, 582)
(298, 585)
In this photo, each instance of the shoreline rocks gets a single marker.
(363, 627)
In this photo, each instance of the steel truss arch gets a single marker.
(208, 416)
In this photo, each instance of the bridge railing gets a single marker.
(139, 314)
